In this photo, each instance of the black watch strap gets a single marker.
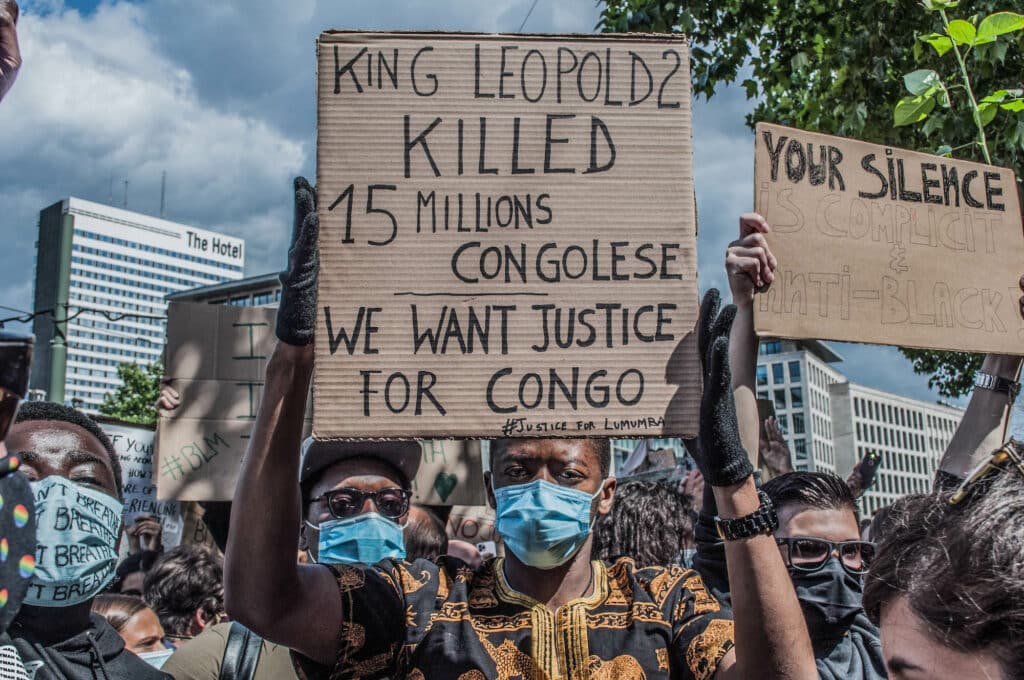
(761, 521)
(997, 383)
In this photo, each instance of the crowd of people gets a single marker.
(328, 570)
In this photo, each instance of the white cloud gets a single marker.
(97, 101)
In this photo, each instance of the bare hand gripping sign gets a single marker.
(882, 245)
(508, 238)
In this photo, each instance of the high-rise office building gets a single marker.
(910, 436)
(831, 423)
(104, 273)
(796, 375)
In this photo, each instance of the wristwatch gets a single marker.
(987, 381)
(761, 521)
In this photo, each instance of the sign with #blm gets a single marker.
(882, 245)
(508, 237)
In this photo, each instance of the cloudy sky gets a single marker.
(220, 96)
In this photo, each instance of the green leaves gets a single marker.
(962, 32)
(921, 81)
(911, 110)
(936, 5)
(998, 24)
(941, 43)
(926, 90)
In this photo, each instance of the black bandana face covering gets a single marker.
(830, 598)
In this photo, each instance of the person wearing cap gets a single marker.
(546, 611)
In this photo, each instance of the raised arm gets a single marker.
(770, 633)
(265, 589)
(983, 425)
(750, 266)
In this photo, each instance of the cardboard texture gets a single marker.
(450, 474)
(471, 523)
(508, 237)
(882, 245)
(217, 357)
(134, 446)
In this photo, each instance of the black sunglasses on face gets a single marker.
(811, 554)
(347, 502)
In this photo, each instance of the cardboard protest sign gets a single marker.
(450, 474)
(882, 245)
(217, 357)
(134, 445)
(508, 237)
(471, 523)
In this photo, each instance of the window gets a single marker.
(856, 407)
(797, 396)
(762, 395)
(780, 399)
(263, 298)
(800, 446)
(762, 376)
(783, 421)
(240, 301)
(794, 371)
(798, 423)
(773, 347)
(778, 374)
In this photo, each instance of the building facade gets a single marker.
(104, 272)
(910, 435)
(795, 376)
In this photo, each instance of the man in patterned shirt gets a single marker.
(547, 610)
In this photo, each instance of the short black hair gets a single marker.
(650, 522)
(184, 580)
(819, 490)
(426, 539)
(960, 568)
(48, 410)
(599, 445)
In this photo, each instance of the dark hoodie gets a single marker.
(96, 653)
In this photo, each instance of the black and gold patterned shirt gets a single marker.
(427, 621)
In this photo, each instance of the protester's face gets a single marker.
(831, 525)
(143, 632)
(363, 474)
(911, 653)
(48, 447)
(567, 462)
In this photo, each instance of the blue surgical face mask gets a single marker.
(543, 524)
(76, 542)
(365, 539)
(156, 659)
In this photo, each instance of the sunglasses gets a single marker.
(811, 554)
(347, 502)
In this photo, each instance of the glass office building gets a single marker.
(104, 272)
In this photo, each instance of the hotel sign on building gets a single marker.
(105, 271)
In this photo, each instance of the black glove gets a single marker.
(725, 462)
(296, 316)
